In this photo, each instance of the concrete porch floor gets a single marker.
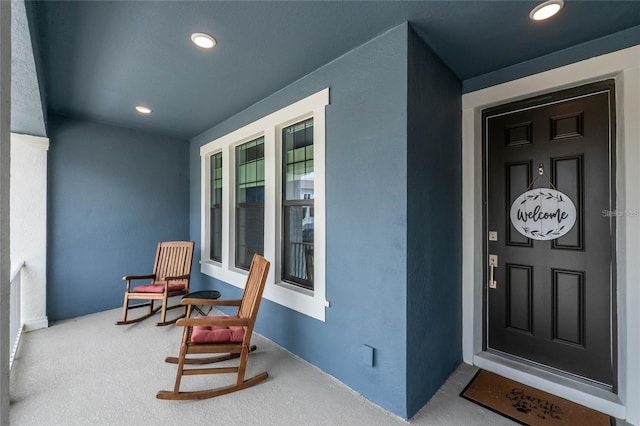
(87, 371)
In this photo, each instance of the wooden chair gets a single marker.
(221, 335)
(170, 277)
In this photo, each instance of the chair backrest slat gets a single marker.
(173, 258)
(254, 288)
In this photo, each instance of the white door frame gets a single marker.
(624, 67)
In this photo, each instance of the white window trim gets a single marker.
(311, 303)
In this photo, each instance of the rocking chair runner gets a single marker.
(221, 335)
(170, 277)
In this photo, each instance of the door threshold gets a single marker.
(578, 391)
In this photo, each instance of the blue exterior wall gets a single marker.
(113, 194)
(434, 223)
(366, 199)
(620, 40)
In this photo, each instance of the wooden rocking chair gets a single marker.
(221, 335)
(170, 277)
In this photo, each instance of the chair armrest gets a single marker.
(204, 321)
(138, 277)
(211, 302)
(179, 277)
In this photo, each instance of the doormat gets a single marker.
(527, 405)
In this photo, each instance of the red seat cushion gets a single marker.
(158, 287)
(217, 334)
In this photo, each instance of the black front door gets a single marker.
(552, 299)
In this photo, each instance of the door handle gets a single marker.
(493, 263)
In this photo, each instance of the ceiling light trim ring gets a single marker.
(203, 40)
(143, 109)
(546, 10)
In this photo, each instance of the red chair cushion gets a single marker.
(217, 334)
(158, 287)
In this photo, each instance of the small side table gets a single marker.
(203, 294)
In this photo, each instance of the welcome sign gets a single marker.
(543, 214)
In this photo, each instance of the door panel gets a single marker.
(553, 301)
(567, 289)
(518, 177)
(566, 173)
(519, 297)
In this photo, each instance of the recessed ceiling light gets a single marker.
(203, 40)
(143, 109)
(546, 10)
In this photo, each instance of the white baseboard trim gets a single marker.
(36, 324)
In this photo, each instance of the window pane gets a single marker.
(299, 154)
(251, 172)
(216, 178)
(215, 224)
(249, 234)
(249, 201)
(216, 234)
(298, 161)
(260, 169)
(298, 246)
(309, 134)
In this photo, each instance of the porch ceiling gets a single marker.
(101, 59)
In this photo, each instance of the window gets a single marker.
(263, 191)
(215, 222)
(297, 204)
(249, 202)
